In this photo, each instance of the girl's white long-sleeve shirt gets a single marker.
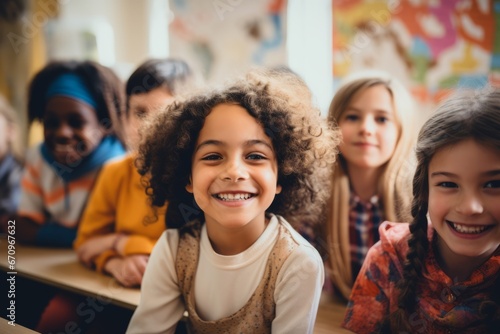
(224, 284)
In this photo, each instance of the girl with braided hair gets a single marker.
(440, 273)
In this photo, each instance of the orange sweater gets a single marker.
(119, 204)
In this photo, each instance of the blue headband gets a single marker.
(70, 85)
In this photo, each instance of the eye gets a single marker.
(211, 157)
(256, 156)
(382, 119)
(492, 184)
(76, 123)
(447, 184)
(141, 114)
(351, 117)
(50, 123)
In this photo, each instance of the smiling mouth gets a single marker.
(234, 196)
(364, 144)
(468, 229)
(63, 148)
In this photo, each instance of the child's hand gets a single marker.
(90, 249)
(129, 270)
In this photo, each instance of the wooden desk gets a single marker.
(60, 268)
(17, 329)
(330, 315)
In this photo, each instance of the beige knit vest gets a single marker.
(257, 314)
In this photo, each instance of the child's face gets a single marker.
(369, 129)
(234, 169)
(71, 129)
(143, 105)
(464, 199)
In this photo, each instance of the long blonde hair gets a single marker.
(394, 187)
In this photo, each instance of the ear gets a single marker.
(189, 186)
(278, 189)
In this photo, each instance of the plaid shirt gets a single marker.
(364, 221)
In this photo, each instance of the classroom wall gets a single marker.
(223, 38)
(218, 38)
(433, 47)
(113, 32)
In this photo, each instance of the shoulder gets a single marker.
(119, 166)
(35, 165)
(304, 250)
(13, 162)
(393, 244)
(120, 163)
(15, 174)
(302, 274)
(165, 248)
(394, 235)
(296, 237)
(10, 168)
(34, 154)
(170, 238)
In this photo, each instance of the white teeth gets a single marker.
(233, 197)
(62, 148)
(468, 229)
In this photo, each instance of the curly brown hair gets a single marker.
(305, 145)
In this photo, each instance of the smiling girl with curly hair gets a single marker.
(235, 163)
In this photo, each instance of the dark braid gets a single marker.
(414, 265)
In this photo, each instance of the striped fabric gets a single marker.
(364, 221)
(45, 196)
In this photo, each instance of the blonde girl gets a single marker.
(370, 180)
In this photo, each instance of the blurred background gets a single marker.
(432, 46)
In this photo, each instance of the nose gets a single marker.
(234, 171)
(63, 131)
(367, 126)
(470, 204)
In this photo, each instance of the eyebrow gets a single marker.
(68, 114)
(250, 142)
(494, 172)
(383, 111)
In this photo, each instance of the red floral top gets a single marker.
(443, 305)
